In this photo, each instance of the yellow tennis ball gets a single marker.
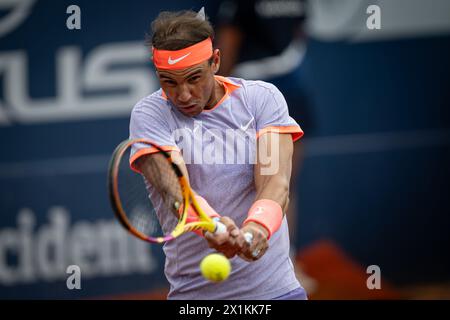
(215, 267)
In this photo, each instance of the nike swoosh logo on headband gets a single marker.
(170, 61)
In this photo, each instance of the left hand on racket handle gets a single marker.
(256, 238)
(248, 238)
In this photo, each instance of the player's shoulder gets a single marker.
(257, 92)
(255, 87)
(151, 104)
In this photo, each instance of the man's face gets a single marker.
(191, 89)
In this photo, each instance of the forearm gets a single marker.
(272, 190)
(159, 174)
(275, 188)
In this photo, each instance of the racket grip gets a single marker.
(220, 227)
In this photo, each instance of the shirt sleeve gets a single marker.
(151, 124)
(272, 113)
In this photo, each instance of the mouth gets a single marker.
(189, 108)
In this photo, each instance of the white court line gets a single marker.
(314, 147)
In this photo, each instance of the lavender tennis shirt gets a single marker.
(218, 147)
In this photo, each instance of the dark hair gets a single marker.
(178, 30)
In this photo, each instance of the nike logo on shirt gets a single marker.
(170, 61)
(245, 127)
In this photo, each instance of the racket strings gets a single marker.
(139, 210)
(147, 200)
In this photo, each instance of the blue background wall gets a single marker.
(375, 178)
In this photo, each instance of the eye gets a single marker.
(194, 79)
(170, 82)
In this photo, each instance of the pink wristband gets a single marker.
(192, 216)
(267, 213)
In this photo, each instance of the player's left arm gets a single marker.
(273, 168)
(272, 174)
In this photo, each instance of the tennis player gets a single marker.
(192, 116)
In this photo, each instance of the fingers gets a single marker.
(256, 245)
(250, 243)
(217, 239)
(228, 243)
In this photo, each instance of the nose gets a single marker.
(184, 94)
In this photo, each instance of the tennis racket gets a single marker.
(151, 198)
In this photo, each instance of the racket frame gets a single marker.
(205, 222)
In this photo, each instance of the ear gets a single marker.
(216, 60)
